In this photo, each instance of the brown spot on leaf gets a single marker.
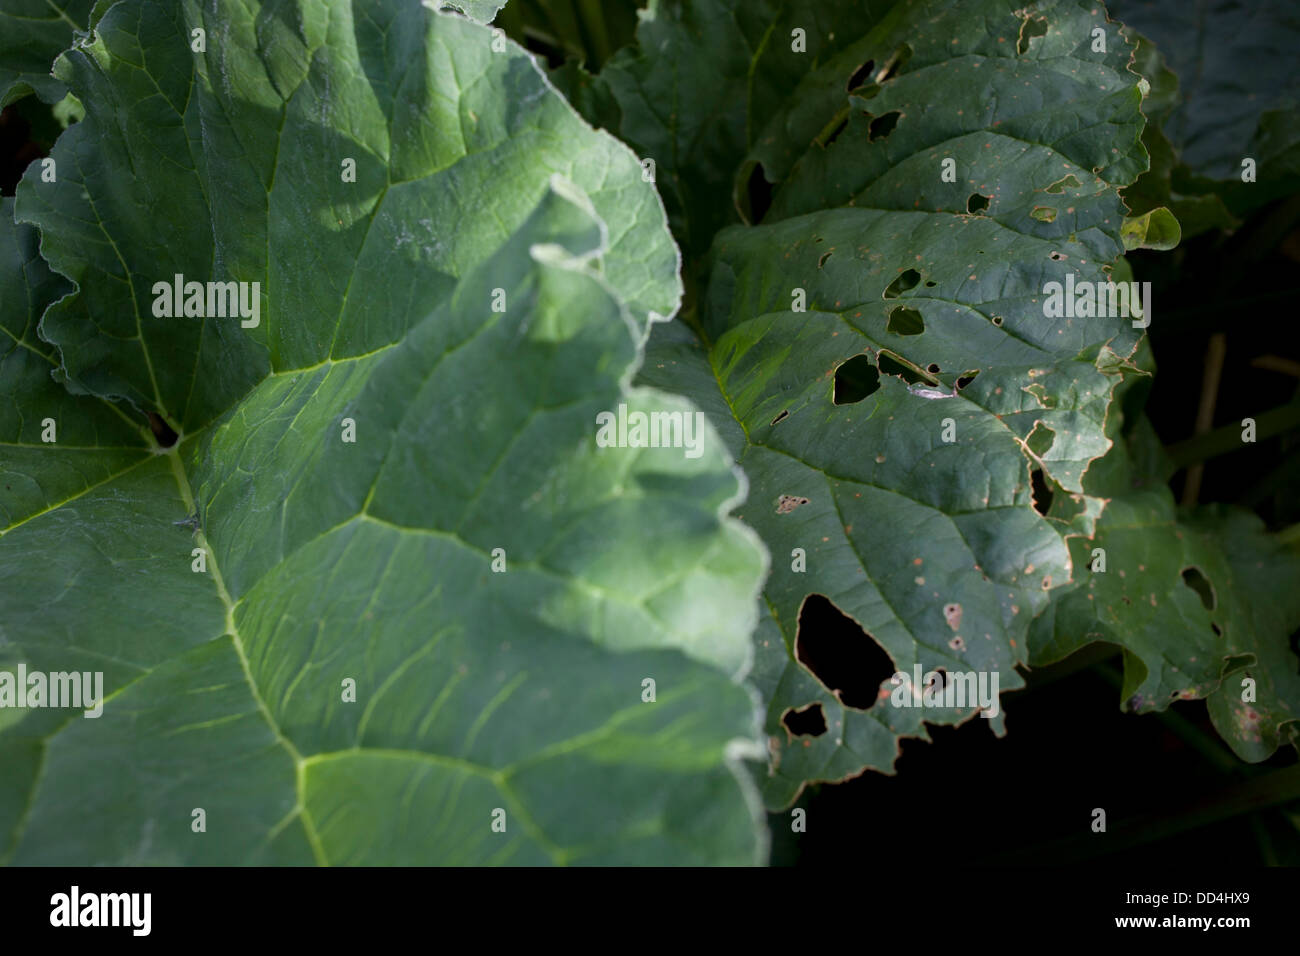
(952, 614)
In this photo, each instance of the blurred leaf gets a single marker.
(1238, 94)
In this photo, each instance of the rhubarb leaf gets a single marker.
(385, 600)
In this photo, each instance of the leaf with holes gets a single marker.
(1202, 601)
(308, 653)
(881, 342)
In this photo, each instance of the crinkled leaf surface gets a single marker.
(32, 34)
(348, 86)
(934, 547)
(369, 561)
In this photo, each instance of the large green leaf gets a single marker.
(374, 561)
(443, 162)
(936, 289)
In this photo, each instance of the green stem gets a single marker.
(1275, 421)
(592, 17)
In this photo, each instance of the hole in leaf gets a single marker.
(1043, 213)
(1040, 439)
(822, 261)
(882, 126)
(162, 432)
(781, 416)
(905, 322)
(860, 75)
(1056, 256)
(1041, 491)
(855, 380)
(891, 363)
(930, 283)
(758, 192)
(935, 680)
(933, 368)
(1199, 583)
(906, 281)
(966, 379)
(977, 204)
(1045, 399)
(1030, 28)
(839, 653)
(1060, 185)
(996, 320)
(1218, 631)
(808, 721)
